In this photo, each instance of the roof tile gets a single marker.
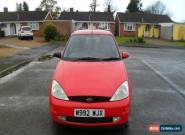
(143, 18)
(87, 16)
(23, 16)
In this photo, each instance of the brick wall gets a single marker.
(112, 28)
(117, 26)
(40, 31)
(63, 27)
(127, 33)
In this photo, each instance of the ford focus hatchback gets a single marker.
(90, 86)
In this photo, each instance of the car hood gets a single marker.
(90, 78)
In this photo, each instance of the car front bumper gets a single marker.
(62, 112)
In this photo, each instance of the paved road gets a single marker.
(158, 77)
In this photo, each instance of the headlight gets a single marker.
(121, 93)
(57, 91)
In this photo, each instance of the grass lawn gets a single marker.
(147, 41)
(123, 40)
(180, 43)
(127, 40)
(37, 42)
(3, 46)
(6, 51)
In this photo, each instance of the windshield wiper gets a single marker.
(89, 58)
(111, 58)
(93, 59)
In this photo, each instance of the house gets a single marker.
(142, 24)
(10, 22)
(75, 20)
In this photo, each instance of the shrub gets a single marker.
(130, 40)
(63, 38)
(140, 40)
(57, 37)
(135, 40)
(50, 32)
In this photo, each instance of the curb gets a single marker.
(13, 68)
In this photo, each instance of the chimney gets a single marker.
(38, 9)
(18, 17)
(71, 9)
(108, 9)
(5, 9)
(142, 20)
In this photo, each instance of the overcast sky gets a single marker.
(176, 7)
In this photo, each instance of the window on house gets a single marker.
(129, 27)
(3, 25)
(104, 26)
(147, 28)
(34, 25)
(76, 24)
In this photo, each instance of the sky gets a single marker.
(176, 7)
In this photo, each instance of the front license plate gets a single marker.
(89, 113)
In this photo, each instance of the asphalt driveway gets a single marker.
(158, 77)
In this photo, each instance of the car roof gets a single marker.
(92, 32)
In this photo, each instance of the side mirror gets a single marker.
(57, 55)
(125, 55)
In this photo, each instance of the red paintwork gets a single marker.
(90, 79)
(125, 55)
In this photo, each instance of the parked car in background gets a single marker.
(25, 32)
(90, 86)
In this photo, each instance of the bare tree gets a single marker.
(157, 8)
(109, 6)
(93, 5)
(50, 5)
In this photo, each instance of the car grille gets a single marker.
(89, 120)
(89, 99)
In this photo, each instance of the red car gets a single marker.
(90, 86)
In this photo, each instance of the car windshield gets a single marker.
(91, 47)
(26, 28)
